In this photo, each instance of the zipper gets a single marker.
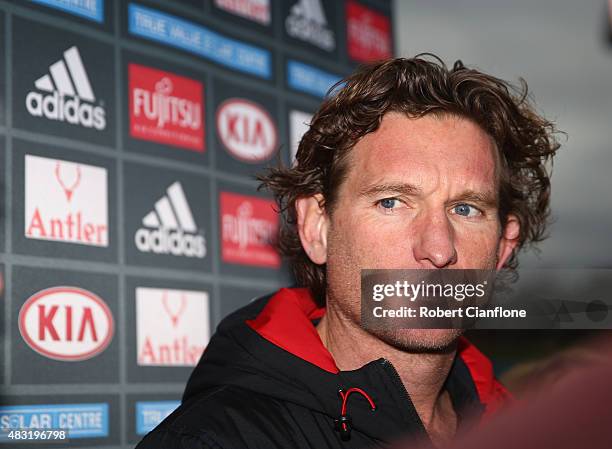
(397, 381)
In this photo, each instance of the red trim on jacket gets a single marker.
(490, 391)
(286, 322)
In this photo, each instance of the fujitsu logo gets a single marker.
(71, 98)
(164, 108)
(244, 229)
(172, 326)
(374, 40)
(65, 201)
(307, 22)
(249, 226)
(368, 33)
(170, 227)
(66, 323)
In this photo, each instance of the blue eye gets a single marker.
(465, 210)
(388, 203)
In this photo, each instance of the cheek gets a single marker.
(362, 243)
(477, 248)
(343, 270)
(343, 241)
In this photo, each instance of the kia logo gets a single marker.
(247, 130)
(66, 323)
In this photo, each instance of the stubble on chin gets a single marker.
(431, 341)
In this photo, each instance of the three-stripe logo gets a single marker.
(306, 21)
(70, 96)
(170, 227)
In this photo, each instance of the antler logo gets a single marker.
(54, 212)
(173, 309)
(68, 190)
(178, 341)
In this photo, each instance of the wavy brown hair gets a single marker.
(417, 87)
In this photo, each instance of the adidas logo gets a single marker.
(311, 10)
(170, 227)
(307, 22)
(71, 97)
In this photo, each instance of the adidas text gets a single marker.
(175, 242)
(71, 110)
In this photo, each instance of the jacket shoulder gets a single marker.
(220, 419)
(168, 438)
(187, 427)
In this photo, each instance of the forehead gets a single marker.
(425, 151)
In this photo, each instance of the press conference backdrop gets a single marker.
(130, 134)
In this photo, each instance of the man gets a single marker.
(408, 165)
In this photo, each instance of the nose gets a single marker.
(434, 242)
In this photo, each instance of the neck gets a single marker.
(423, 374)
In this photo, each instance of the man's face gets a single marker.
(419, 193)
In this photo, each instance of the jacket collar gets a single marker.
(287, 322)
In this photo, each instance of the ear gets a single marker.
(508, 241)
(312, 224)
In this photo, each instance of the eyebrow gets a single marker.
(485, 199)
(401, 188)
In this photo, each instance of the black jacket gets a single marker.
(266, 381)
